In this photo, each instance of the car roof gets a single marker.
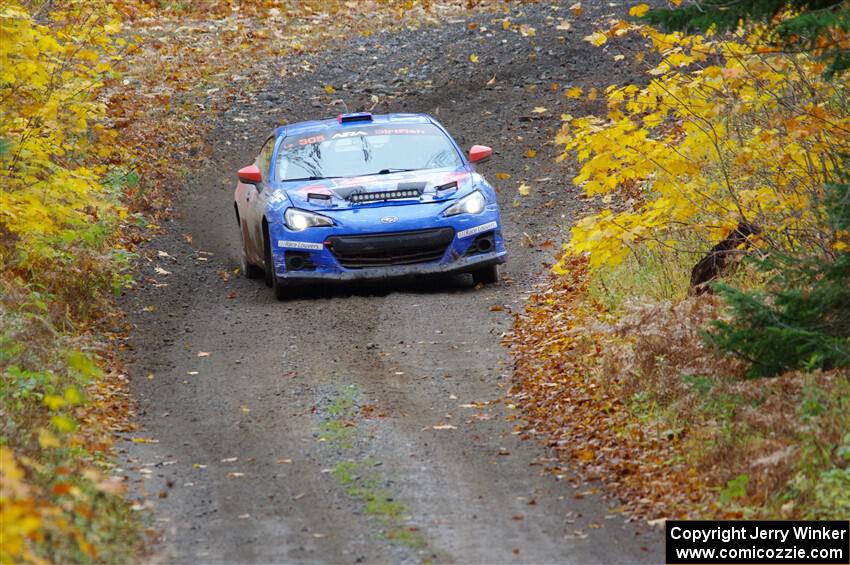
(328, 123)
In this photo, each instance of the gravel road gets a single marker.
(367, 423)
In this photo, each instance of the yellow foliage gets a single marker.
(20, 519)
(750, 137)
(50, 154)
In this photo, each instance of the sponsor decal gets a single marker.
(389, 219)
(348, 134)
(300, 245)
(477, 229)
(277, 196)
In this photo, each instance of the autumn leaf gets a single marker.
(531, 153)
(329, 89)
(639, 10)
(527, 31)
(524, 189)
(503, 176)
(574, 92)
(596, 38)
(539, 110)
(473, 58)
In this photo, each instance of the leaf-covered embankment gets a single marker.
(719, 391)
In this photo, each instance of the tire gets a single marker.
(270, 277)
(250, 270)
(486, 275)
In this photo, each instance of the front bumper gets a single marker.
(416, 244)
(464, 265)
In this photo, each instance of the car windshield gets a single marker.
(365, 150)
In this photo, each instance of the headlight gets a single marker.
(299, 220)
(470, 204)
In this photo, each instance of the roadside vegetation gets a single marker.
(693, 350)
(103, 109)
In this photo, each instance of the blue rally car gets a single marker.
(366, 197)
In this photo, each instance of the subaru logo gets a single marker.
(389, 219)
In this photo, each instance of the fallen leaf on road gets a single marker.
(596, 38)
(203, 354)
(539, 110)
(161, 271)
(473, 58)
(444, 427)
(638, 10)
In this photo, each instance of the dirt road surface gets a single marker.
(366, 424)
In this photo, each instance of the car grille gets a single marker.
(400, 248)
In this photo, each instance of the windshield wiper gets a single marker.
(388, 171)
(309, 178)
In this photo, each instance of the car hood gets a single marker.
(336, 194)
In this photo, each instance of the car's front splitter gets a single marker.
(458, 266)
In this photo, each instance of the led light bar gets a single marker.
(360, 197)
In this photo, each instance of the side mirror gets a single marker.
(250, 175)
(478, 153)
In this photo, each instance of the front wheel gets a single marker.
(270, 276)
(486, 275)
